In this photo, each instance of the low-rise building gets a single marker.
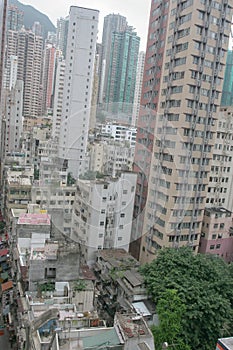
(120, 132)
(217, 233)
(17, 189)
(110, 157)
(120, 286)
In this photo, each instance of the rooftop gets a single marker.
(134, 277)
(48, 252)
(6, 286)
(132, 325)
(118, 257)
(216, 210)
(34, 219)
(227, 342)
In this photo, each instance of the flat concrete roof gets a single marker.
(34, 219)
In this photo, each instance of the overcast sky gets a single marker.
(136, 11)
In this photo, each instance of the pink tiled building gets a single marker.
(217, 233)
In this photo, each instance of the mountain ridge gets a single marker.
(31, 15)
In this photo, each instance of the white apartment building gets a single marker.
(13, 71)
(58, 97)
(14, 120)
(57, 201)
(138, 88)
(220, 188)
(120, 133)
(102, 214)
(80, 60)
(110, 157)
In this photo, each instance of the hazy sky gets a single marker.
(136, 11)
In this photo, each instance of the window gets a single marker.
(218, 246)
(212, 247)
(101, 223)
(122, 215)
(125, 191)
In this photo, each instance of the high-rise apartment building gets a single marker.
(48, 77)
(138, 88)
(58, 96)
(102, 215)
(220, 186)
(28, 48)
(3, 24)
(77, 95)
(183, 79)
(14, 120)
(37, 29)
(122, 71)
(15, 18)
(62, 34)
(227, 93)
(112, 23)
(3, 19)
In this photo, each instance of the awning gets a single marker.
(141, 309)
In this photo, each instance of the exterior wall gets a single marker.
(121, 133)
(48, 77)
(80, 59)
(58, 97)
(138, 88)
(3, 20)
(58, 202)
(217, 233)
(64, 266)
(13, 71)
(102, 214)
(146, 121)
(187, 105)
(112, 23)
(15, 18)
(62, 34)
(221, 175)
(227, 95)
(14, 120)
(122, 72)
(28, 48)
(110, 158)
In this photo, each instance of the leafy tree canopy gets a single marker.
(170, 309)
(204, 284)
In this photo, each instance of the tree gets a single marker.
(204, 283)
(170, 310)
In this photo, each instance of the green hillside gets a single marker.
(32, 15)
